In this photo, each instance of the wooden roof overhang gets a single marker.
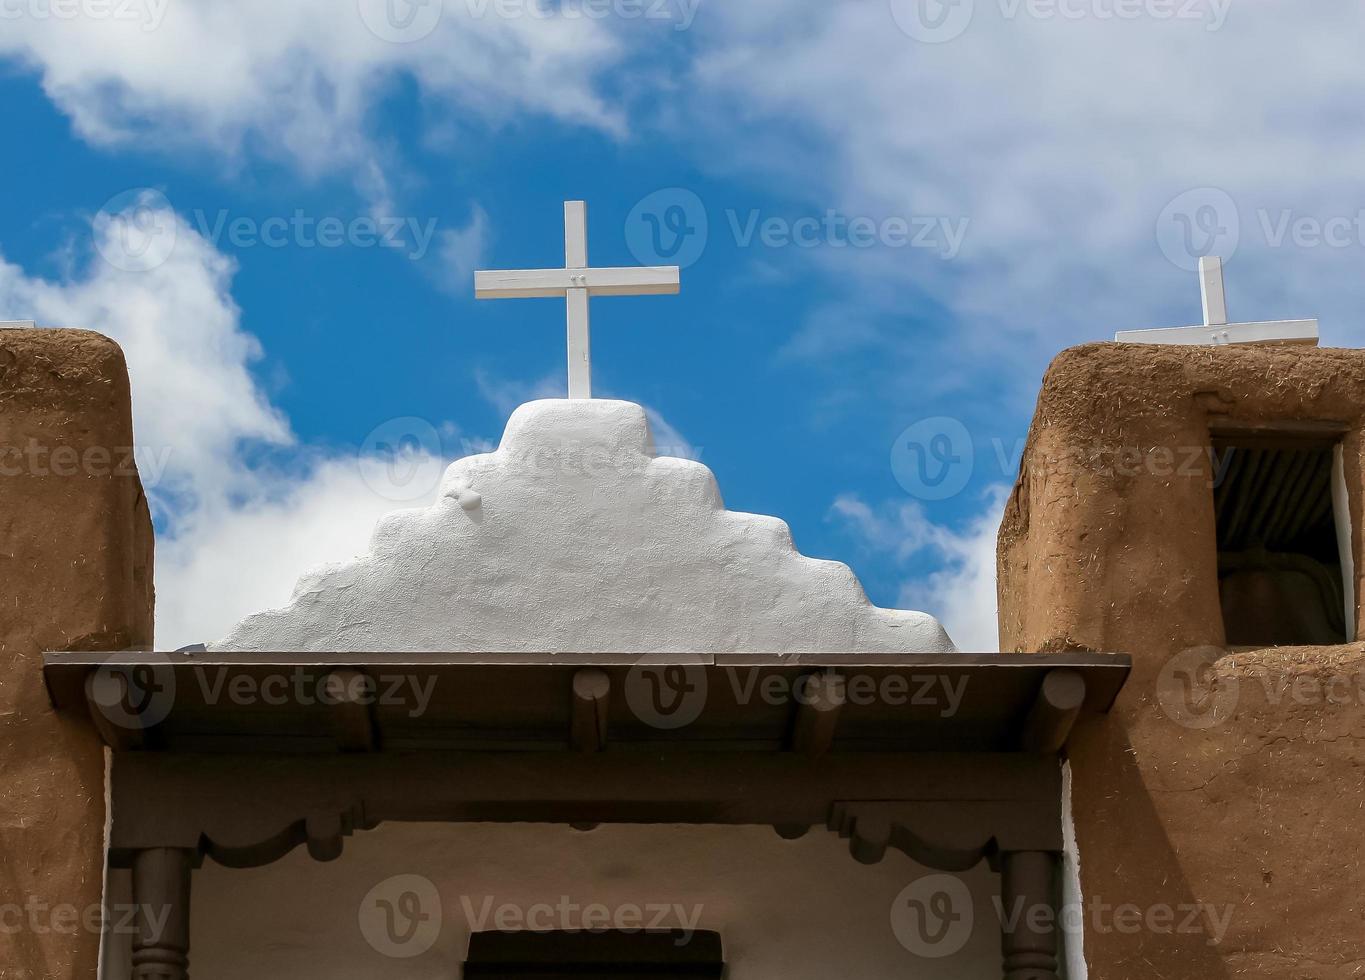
(245, 756)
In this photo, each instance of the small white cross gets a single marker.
(576, 282)
(1216, 330)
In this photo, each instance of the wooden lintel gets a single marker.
(247, 810)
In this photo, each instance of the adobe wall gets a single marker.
(75, 573)
(1222, 799)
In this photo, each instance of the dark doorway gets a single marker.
(1280, 576)
(652, 955)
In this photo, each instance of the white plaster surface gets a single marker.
(1073, 898)
(575, 537)
(794, 910)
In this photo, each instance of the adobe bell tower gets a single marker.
(1200, 509)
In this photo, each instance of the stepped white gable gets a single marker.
(575, 537)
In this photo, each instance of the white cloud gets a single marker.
(194, 399)
(1061, 140)
(234, 537)
(961, 591)
(668, 441)
(459, 252)
(299, 81)
(506, 394)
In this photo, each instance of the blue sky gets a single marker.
(1019, 176)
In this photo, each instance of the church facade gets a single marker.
(577, 718)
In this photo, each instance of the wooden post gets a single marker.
(1029, 916)
(161, 894)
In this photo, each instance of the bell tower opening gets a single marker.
(1283, 530)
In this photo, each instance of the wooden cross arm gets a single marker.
(1267, 332)
(631, 281)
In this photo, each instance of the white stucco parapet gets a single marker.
(573, 536)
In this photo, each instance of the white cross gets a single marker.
(1216, 330)
(576, 282)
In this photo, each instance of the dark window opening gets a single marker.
(650, 955)
(1279, 564)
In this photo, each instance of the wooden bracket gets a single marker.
(325, 831)
(112, 710)
(948, 836)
